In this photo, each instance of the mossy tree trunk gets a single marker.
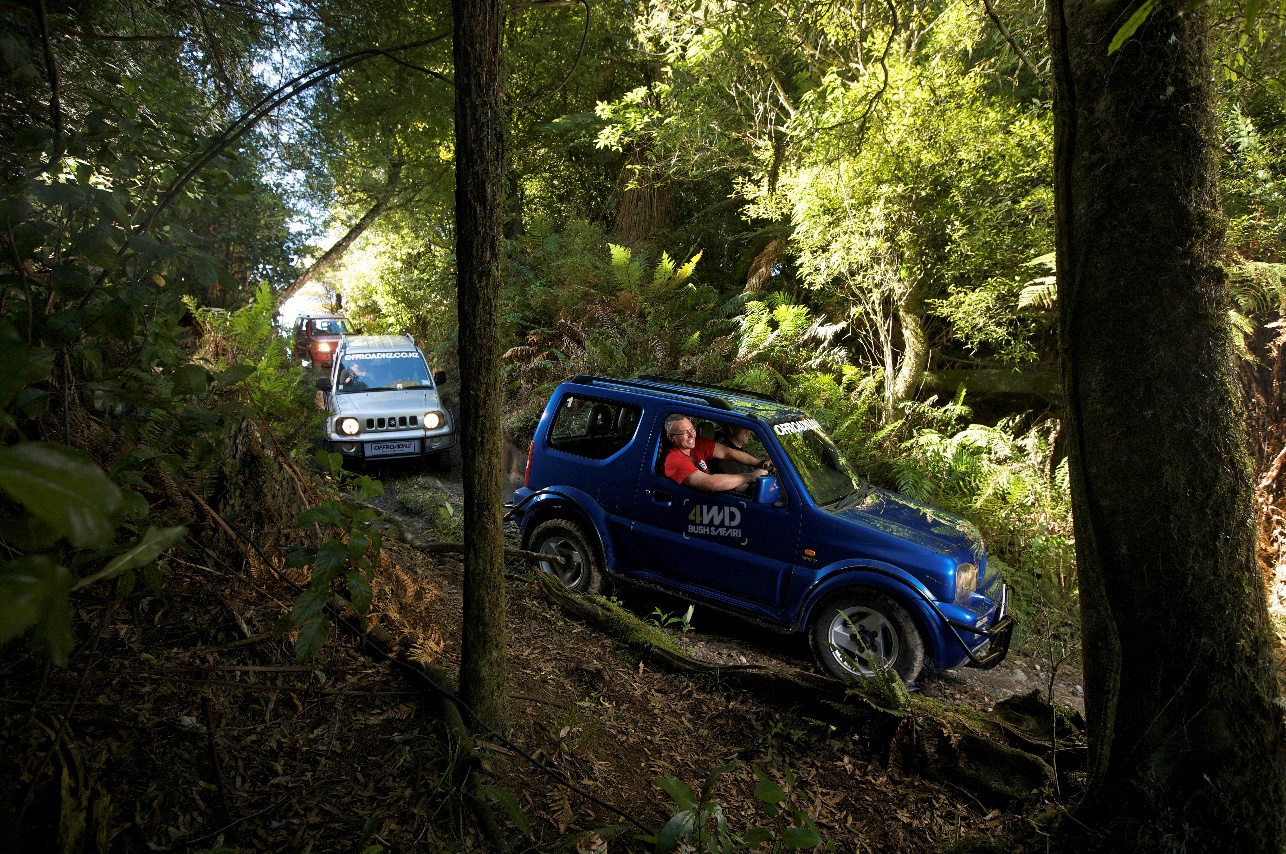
(479, 201)
(1186, 749)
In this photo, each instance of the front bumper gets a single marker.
(391, 447)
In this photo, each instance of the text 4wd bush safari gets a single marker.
(870, 575)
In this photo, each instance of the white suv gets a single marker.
(383, 402)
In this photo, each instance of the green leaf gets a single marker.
(331, 558)
(756, 836)
(801, 837)
(33, 592)
(707, 788)
(309, 604)
(675, 829)
(332, 463)
(64, 488)
(191, 379)
(144, 550)
(359, 591)
(1128, 29)
(679, 791)
(510, 803)
(312, 636)
(327, 513)
(235, 374)
(25, 585)
(769, 792)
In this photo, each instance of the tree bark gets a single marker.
(909, 305)
(1186, 749)
(335, 252)
(479, 202)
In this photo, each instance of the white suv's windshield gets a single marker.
(332, 326)
(826, 474)
(387, 371)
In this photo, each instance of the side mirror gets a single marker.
(439, 377)
(323, 384)
(767, 489)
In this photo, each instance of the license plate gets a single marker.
(388, 449)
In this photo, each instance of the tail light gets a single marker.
(526, 475)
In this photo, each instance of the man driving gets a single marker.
(687, 460)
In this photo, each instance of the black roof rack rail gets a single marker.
(739, 392)
(677, 388)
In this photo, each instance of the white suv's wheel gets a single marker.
(580, 569)
(859, 631)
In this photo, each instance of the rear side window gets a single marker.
(593, 428)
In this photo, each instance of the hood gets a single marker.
(401, 400)
(920, 523)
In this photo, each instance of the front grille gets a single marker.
(392, 422)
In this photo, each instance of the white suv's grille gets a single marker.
(392, 422)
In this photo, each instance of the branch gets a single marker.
(335, 252)
(51, 68)
(245, 123)
(579, 54)
(1022, 54)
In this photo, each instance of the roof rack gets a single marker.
(703, 392)
(736, 392)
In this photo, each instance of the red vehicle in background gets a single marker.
(317, 337)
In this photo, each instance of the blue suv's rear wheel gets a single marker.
(858, 631)
(580, 569)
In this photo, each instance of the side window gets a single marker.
(593, 428)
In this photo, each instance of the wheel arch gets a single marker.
(578, 507)
(891, 582)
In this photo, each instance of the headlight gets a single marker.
(966, 580)
(433, 420)
(349, 426)
(323, 347)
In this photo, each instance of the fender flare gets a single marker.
(893, 582)
(568, 503)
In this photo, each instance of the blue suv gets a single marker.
(874, 578)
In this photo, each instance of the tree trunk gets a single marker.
(1186, 749)
(909, 305)
(332, 255)
(479, 200)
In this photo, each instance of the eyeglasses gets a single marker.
(691, 431)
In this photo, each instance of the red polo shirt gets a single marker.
(679, 466)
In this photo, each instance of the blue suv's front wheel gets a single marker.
(579, 568)
(858, 631)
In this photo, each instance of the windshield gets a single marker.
(382, 372)
(825, 472)
(331, 326)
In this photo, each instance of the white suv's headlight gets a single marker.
(348, 426)
(966, 580)
(433, 420)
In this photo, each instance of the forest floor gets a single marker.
(184, 724)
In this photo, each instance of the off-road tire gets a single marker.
(885, 627)
(583, 571)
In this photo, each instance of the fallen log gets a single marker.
(998, 757)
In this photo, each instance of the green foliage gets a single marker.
(432, 503)
(1005, 482)
(347, 559)
(247, 344)
(699, 824)
(664, 619)
(582, 305)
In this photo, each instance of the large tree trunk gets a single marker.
(332, 255)
(479, 199)
(909, 305)
(1186, 749)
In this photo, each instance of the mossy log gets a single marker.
(999, 757)
(1042, 384)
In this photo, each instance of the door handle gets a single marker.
(661, 497)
